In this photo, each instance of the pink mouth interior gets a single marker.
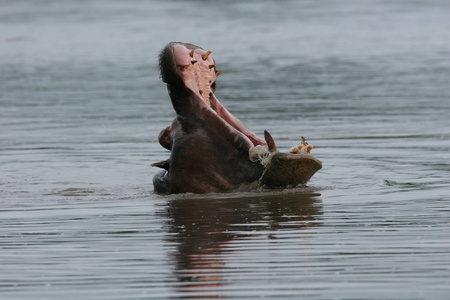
(198, 70)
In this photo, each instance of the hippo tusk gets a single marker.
(205, 56)
(165, 164)
(270, 142)
(184, 67)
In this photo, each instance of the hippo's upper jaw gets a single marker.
(209, 146)
(190, 73)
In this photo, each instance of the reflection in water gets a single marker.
(201, 229)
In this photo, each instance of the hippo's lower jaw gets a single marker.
(209, 146)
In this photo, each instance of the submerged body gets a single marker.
(209, 146)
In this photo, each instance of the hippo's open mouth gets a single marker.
(198, 72)
(209, 146)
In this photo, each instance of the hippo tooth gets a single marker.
(270, 141)
(212, 66)
(205, 56)
(193, 61)
(304, 141)
(184, 67)
(165, 164)
(201, 92)
(218, 72)
(192, 53)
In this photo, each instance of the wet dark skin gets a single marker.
(209, 146)
(207, 154)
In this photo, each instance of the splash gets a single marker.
(261, 154)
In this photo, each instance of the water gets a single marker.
(81, 106)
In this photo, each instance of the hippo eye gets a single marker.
(165, 134)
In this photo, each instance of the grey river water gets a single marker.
(81, 106)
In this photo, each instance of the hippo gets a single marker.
(211, 149)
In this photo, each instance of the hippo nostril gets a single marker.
(210, 94)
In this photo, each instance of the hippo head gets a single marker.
(209, 146)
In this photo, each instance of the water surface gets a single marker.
(81, 105)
